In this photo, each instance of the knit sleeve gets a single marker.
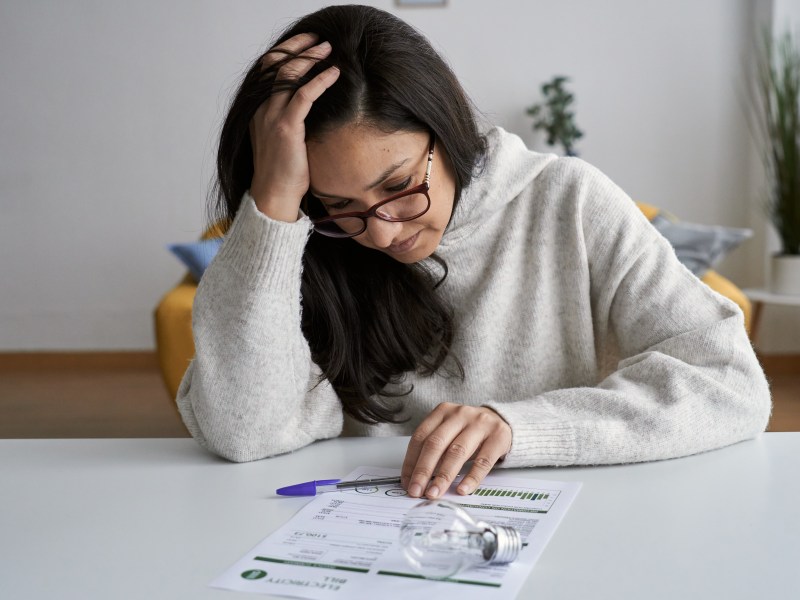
(687, 380)
(252, 390)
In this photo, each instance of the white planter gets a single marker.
(786, 275)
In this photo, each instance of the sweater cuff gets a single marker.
(262, 249)
(539, 439)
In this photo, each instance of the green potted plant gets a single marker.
(778, 101)
(555, 117)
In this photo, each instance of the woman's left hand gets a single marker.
(449, 436)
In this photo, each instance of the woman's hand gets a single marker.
(277, 130)
(449, 436)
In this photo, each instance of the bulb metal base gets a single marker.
(507, 544)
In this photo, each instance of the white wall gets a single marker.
(109, 113)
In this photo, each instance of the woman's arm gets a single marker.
(687, 380)
(251, 390)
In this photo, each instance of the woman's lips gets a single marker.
(404, 246)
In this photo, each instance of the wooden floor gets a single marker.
(86, 399)
(126, 398)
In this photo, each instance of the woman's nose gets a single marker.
(382, 233)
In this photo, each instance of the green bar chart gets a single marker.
(541, 500)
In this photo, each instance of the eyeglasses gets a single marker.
(405, 206)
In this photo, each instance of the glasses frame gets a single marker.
(423, 188)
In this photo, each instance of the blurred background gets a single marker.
(110, 110)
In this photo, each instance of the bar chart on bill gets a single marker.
(533, 499)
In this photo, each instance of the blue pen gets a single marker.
(312, 488)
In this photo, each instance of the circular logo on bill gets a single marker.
(254, 574)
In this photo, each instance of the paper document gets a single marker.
(345, 544)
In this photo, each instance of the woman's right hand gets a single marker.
(277, 130)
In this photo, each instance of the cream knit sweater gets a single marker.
(575, 322)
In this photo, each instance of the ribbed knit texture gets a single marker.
(575, 322)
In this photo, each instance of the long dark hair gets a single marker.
(367, 325)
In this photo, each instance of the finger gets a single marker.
(433, 449)
(294, 45)
(458, 452)
(302, 63)
(492, 449)
(477, 440)
(293, 71)
(297, 107)
(421, 433)
(300, 104)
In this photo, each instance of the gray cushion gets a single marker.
(700, 247)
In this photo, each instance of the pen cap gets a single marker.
(309, 488)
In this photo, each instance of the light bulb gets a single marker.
(439, 538)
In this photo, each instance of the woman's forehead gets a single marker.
(362, 150)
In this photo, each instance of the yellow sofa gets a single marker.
(173, 315)
(173, 320)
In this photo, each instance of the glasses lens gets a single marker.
(345, 227)
(404, 208)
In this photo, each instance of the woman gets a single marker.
(390, 271)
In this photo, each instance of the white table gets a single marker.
(759, 297)
(152, 519)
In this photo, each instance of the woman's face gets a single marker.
(356, 166)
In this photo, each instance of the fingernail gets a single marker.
(433, 492)
(415, 490)
(325, 46)
(464, 489)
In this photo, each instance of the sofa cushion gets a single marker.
(700, 247)
(197, 255)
